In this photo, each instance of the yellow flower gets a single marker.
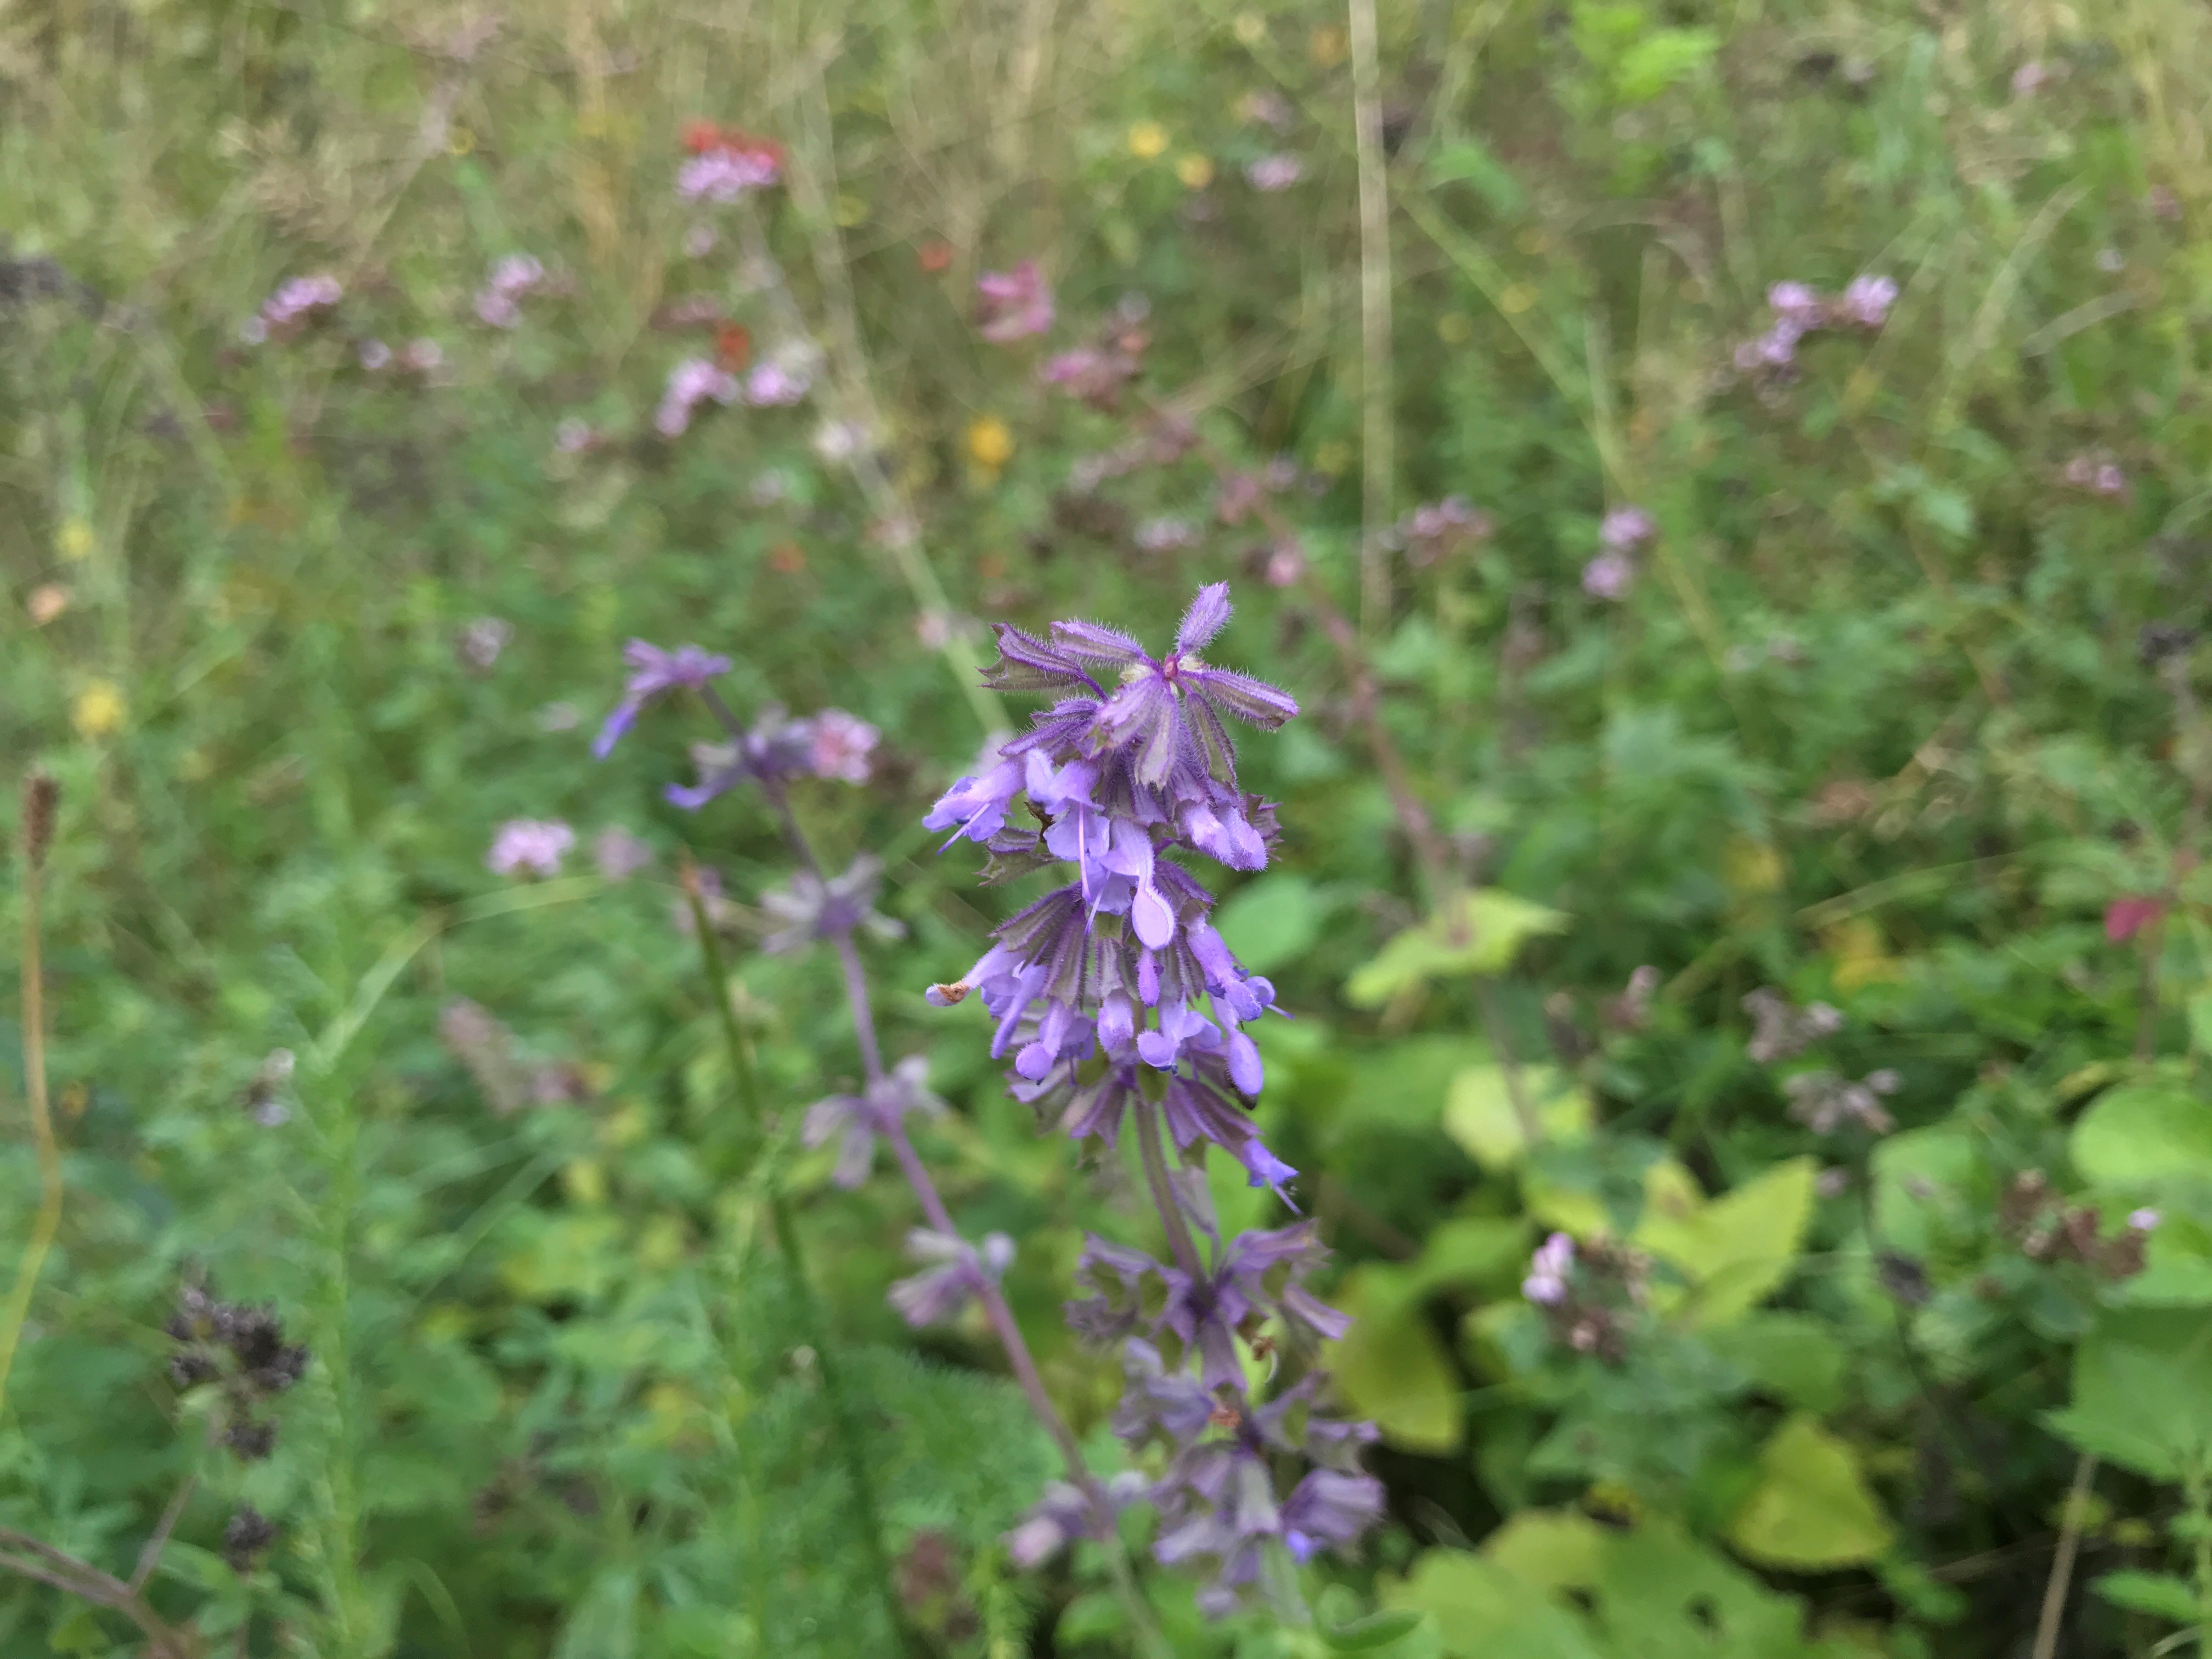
(460, 141)
(99, 710)
(1516, 299)
(989, 441)
(75, 539)
(585, 1180)
(1195, 171)
(1326, 47)
(1147, 140)
(1251, 28)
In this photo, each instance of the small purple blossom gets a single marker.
(374, 356)
(2144, 1221)
(511, 277)
(1065, 1513)
(1092, 374)
(1165, 535)
(1866, 301)
(1607, 576)
(295, 304)
(1547, 1282)
(776, 384)
(1013, 304)
(811, 908)
(727, 172)
(530, 847)
(1437, 529)
(953, 1271)
(619, 854)
(1273, 173)
(1626, 529)
(574, 436)
(654, 673)
(842, 745)
(855, 1121)
(690, 383)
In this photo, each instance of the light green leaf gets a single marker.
(1478, 1111)
(1795, 1356)
(1812, 1510)
(1377, 1630)
(2144, 1134)
(1484, 1612)
(1660, 60)
(2143, 1392)
(1272, 920)
(1738, 1248)
(1481, 1251)
(1480, 933)
(2160, 1593)
(1390, 1368)
(1552, 1549)
(1468, 160)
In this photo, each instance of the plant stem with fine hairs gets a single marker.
(867, 1510)
(39, 801)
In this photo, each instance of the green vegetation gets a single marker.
(1751, 970)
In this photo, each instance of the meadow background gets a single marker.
(1891, 714)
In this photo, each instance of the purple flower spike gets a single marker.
(655, 673)
(953, 1270)
(1012, 305)
(860, 1118)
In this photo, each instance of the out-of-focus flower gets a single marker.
(953, 1270)
(734, 345)
(296, 303)
(574, 436)
(2126, 917)
(1148, 141)
(481, 641)
(2144, 1221)
(934, 255)
(99, 710)
(842, 743)
(1435, 530)
(2029, 79)
(778, 383)
(1013, 304)
(421, 357)
(855, 1121)
(1823, 1101)
(498, 302)
(1093, 373)
(1781, 1030)
(1267, 108)
(1626, 529)
(701, 240)
(1607, 576)
(655, 673)
(1547, 1282)
(374, 356)
(1286, 565)
(530, 847)
(1165, 535)
(690, 383)
(2097, 478)
(47, 601)
(619, 854)
(1274, 173)
(726, 164)
(1866, 301)
(811, 908)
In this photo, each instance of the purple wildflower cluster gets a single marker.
(499, 301)
(1013, 304)
(1435, 530)
(1119, 1002)
(296, 303)
(727, 172)
(530, 847)
(1798, 310)
(690, 383)
(1621, 535)
(2096, 476)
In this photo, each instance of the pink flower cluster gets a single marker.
(1013, 304)
(530, 847)
(1800, 310)
(296, 303)
(2097, 478)
(1435, 529)
(728, 170)
(690, 383)
(511, 277)
(1620, 534)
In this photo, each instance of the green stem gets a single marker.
(868, 1510)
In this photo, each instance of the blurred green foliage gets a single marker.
(1896, 716)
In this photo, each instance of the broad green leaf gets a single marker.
(1945, 1157)
(2144, 1134)
(1377, 1630)
(1468, 160)
(1660, 60)
(1272, 920)
(1484, 1612)
(1552, 1549)
(1480, 1251)
(2143, 1392)
(1390, 1368)
(1480, 933)
(1480, 1113)
(1737, 1248)
(2160, 1593)
(1794, 1356)
(1663, 1596)
(1812, 1510)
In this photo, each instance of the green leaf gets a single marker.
(1484, 1612)
(1390, 1368)
(1480, 1251)
(1794, 1356)
(2143, 1392)
(1272, 920)
(1468, 162)
(2160, 1593)
(1479, 933)
(2144, 1134)
(1660, 60)
(1552, 1549)
(1480, 1114)
(1738, 1248)
(1093, 1617)
(1812, 1510)
(1377, 1630)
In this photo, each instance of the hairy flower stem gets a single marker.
(1162, 1189)
(867, 1509)
(38, 811)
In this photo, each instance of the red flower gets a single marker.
(2126, 917)
(699, 136)
(934, 255)
(732, 345)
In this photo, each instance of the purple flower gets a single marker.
(295, 304)
(728, 171)
(777, 385)
(1273, 173)
(842, 743)
(1012, 305)
(1547, 1282)
(1094, 374)
(690, 383)
(1607, 576)
(1165, 535)
(511, 278)
(1626, 529)
(1064, 1514)
(811, 908)
(775, 749)
(2144, 1221)
(953, 1270)
(530, 847)
(1866, 302)
(374, 355)
(655, 673)
(620, 855)
(859, 1119)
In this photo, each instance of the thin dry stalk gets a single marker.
(41, 798)
(1377, 427)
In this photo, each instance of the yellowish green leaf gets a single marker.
(1812, 1510)
(1478, 932)
(1391, 1369)
(1551, 1549)
(1480, 1112)
(1737, 1248)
